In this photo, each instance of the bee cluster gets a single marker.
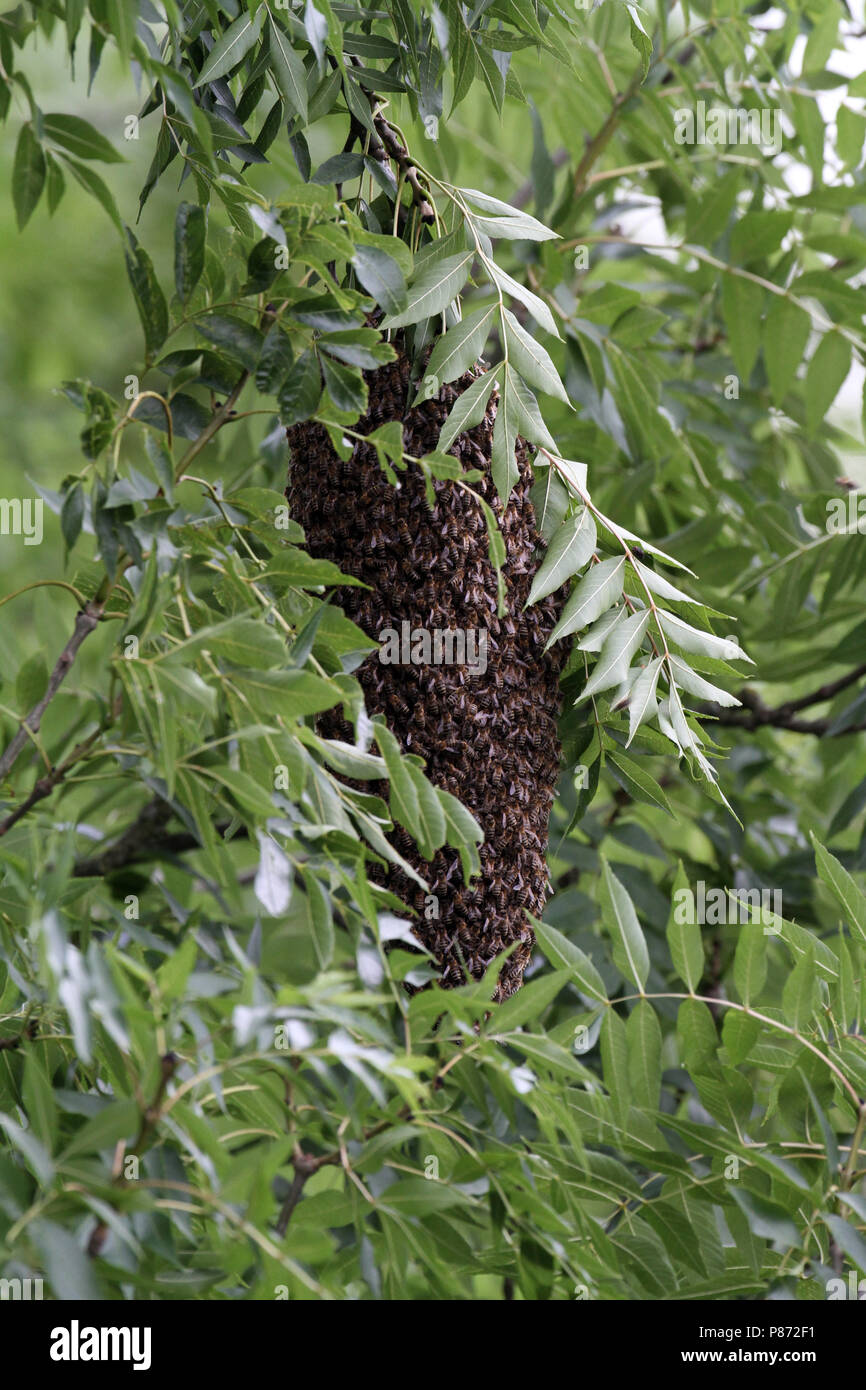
(490, 740)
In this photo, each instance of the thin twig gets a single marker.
(44, 786)
(86, 620)
(597, 145)
(145, 838)
(755, 714)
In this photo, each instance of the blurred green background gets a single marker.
(65, 312)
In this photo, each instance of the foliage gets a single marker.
(213, 1082)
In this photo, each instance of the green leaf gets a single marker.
(620, 919)
(708, 215)
(848, 991)
(118, 1120)
(121, 17)
(563, 954)
(28, 175)
(252, 796)
(799, 997)
(684, 936)
(322, 921)
(644, 1038)
(404, 795)
(288, 69)
(79, 137)
(657, 584)
(826, 372)
(635, 779)
(463, 833)
(34, 1153)
(640, 38)
(739, 1034)
(416, 1197)
(848, 1238)
(539, 1048)
(696, 1034)
(244, 641)
(850, 136)
(614, 1062)
(528, 1004)
(68, 1267)
(237, 338)
(830, 1145)
(786, 332)
(294, 693)
(149, 299)
(296, 566)
(345, 385)
(536, 306)
(843, 888)
(230, 48)
(431, 817)
(72, 514)
(507, 221)
(755, 236)
(275, 361)
(31, 681)
(381, 277)
(506, 428)
(766, 1218)
(432, 290)
(172, 975)
(689, 680)
(300, 392)
(741, 308)
(642, 704)
(457, 350)
(750, 961)
(600, 587)
(531, 360)
(55, 184)
(568, 552)
(615, 656)
(91, 182)
(467, 410)
(702, 643)
(39, 1102)
(359, 347)
(189, 243)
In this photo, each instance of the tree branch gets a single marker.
(392, 147)
(304, 1167)
(86, 620)
(44, 786)
(221, 415)
(597, 145)
(145, 838)
(757, 715)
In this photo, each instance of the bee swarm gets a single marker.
(491, 739)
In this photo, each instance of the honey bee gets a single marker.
(492, 741)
